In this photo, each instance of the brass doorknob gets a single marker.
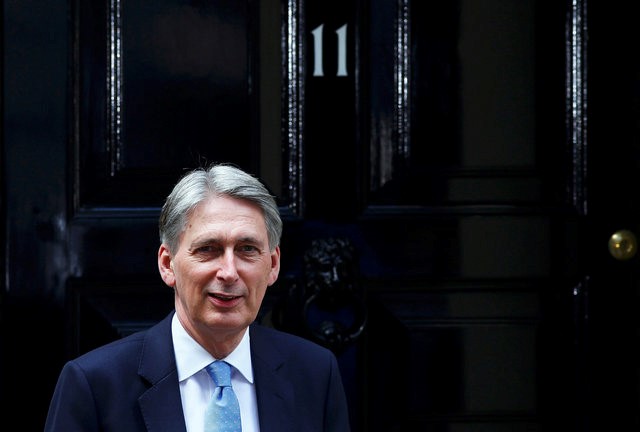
(623, 245)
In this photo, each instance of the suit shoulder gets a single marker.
(128, 348)
(113, 352)
(287, 342)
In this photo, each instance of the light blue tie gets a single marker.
(223, 411)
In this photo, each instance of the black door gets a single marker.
(612, 366)
(456, 176)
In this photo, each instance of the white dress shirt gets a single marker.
(196, 387)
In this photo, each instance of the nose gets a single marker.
(227, 269)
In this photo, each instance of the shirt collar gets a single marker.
(191, 357)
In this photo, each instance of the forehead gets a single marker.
(222, 212)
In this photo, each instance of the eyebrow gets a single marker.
(216, 240)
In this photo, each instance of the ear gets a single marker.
(165, 266)
(275, 266)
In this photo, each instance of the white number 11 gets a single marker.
(318, 69)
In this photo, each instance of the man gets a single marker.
(220, 234)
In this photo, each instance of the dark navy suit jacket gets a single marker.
(132, 385)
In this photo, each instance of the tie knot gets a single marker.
(220, 373)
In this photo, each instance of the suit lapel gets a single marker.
(275, 397)
(161, 405)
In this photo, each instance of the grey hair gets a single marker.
(217, 179)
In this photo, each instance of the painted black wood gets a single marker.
(471, 155)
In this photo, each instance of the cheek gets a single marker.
(258, 296)
(184, 273)
(257, 281)
(188, 277)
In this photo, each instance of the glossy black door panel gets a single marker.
(159, 88)
(471, 161)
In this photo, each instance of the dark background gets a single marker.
(478, 156)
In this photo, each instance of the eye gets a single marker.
(206, 250)
(248, 250)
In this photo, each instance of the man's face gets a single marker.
(221, 269)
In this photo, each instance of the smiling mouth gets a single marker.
(223, 297)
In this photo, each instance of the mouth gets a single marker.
(223, 298)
